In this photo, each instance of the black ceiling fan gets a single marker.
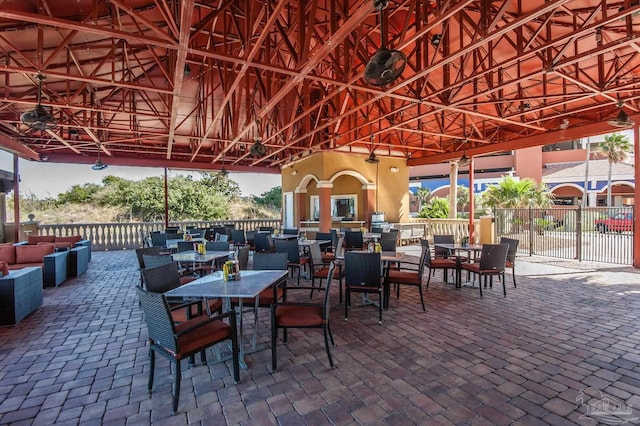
(39, 118)
(386, 65)
(258, 149)
(622, 120)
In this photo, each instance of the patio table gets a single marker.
(172, 244)
(249, 285)
(454, 249)
(195, 257)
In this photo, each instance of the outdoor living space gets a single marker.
(553, 351)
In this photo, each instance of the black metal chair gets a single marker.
(493, 258)
(179, 341)
(362, 274)
(353, 240)
(183, 246)
(511, 255)
(290, 231)
(149, 251)
(286, 315)
(216, 246)
(293, 252)
(158, 239)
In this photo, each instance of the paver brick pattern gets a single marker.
(524, 359)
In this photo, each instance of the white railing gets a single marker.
(129, 235)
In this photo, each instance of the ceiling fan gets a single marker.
(258, 149)
(39, 118)
(372, 159)
(622, 119)
(386, 65)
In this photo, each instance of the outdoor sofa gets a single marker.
(54, 264)
(20, 293)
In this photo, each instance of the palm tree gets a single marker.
(423, 195)
(615, 147)
(510, 193)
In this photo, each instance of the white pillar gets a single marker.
(453, 189)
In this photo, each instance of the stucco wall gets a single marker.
(349, 173)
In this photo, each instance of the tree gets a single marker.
(437, 208)
(423, 195)
(514, 193)
(615, 147)
(79, 194)
(271, 198)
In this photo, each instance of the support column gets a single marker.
(16, 198)
(324, 198)
(166, 198)
(369, 203)
(636, 220)
(453, 189)
(472, 230)
(300, 206)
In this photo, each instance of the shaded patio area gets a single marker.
(524, 359)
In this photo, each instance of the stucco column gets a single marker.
(300, 206)
(453, 189)
(324, 198)
(369, 203)
(472, 231)
(636, 220)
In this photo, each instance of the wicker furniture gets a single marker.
(362, 273)
(492, 262)
(179, 341)
(286, 315)
(20, 294)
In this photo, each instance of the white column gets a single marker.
(453, 189)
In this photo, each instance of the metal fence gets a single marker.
(598, 234)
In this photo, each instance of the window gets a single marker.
(343, 207)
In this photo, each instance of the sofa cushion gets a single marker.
(35, 239)
(33, 253)
(18, 266)
(8, 253)
(4, 268)
(73, 239)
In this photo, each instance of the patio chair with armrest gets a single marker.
(179, 341)
(493, 258)
(267, 229)
(511, 255)
(263, 242)
(290, 231)
(149, 251)
(183, 246)
(408, 273)
(389, 240)
(174, 235)
(286, 315)
(362, 274)
(325, 236)
(153, 261)
(319, 270)
(161, 279)
(158, 239)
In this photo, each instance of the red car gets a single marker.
(620, 222)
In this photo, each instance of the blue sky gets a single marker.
(51, 179)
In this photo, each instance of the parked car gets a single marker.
(619, 222)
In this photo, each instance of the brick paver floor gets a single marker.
(558, 347)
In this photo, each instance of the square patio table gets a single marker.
(250, 284)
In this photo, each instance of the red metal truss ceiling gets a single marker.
(193, 83)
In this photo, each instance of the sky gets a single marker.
(51, 179)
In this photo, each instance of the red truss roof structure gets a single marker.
(197, 83)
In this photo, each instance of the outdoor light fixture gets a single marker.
(464, 160)
(294, 172)
(622, 120)
(394, 169)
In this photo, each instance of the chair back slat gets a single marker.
(425, 256)
(340, 247)
(266, 260)
(290, 231)
(161, 278)
(327, 291)
(493, 257)
(362, 268)
(315, 255)
(158, 318)
(174, 235)
(290, 247)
